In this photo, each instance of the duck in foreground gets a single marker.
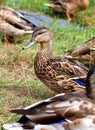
(60, 73)
(65, 111)
(13, 23)
(85, 52)
(68, 6)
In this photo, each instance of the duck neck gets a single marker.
(43, 54)
(41, 58)
(46, 49)
(90, 86)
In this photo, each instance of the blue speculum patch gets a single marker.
(61, 121)
(79, 82)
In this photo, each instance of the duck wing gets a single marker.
(85, 48)
(71, 106)
(15, 18)
(68, 65)
(53, 109)
(65, 74)
(84, 53)
(62, 74)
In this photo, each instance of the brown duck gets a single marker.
(60, 73)
(70, 111)
(85, 52)
(12, 23)
(68, 6)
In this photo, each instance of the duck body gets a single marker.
(61, 112)
(83, 124)
(12, 23)
(59, 73)
(85, 48)
(68, 111)
(84, 52)
(68, 6)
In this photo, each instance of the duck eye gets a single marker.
(58, 3)
(39, 33)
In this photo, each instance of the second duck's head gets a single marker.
(40, 35)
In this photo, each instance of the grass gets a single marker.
(19, 86)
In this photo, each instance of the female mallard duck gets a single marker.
(61, 73)
(66, 111)
(68, 6)
(12, 23)
(85, 52)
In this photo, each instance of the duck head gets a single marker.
(56, 5)
(40, 35)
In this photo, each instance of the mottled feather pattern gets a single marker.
(59, 72)
(86, 123)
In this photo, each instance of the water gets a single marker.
(43, 19)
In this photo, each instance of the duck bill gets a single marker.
(28, 44)
(49, 5)
(92, 49)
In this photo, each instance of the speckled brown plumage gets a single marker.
(58, 73)
(68, 6)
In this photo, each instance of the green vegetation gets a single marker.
(19, 86)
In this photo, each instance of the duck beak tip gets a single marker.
(48, 4)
